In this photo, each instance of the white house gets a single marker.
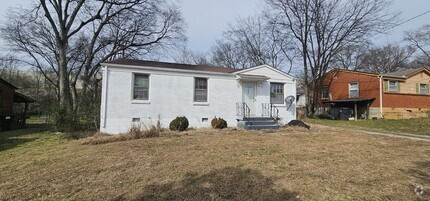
(136, 91)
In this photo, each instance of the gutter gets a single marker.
(380, 96)
(165, 69)
(105, 83)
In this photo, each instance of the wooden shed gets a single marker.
(9, 117)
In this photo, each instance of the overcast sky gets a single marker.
(207, 19)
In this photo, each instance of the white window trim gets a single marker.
(137, 101)
(283, 91)
(328, 92)
(195, 103)
(396, 84)
(428, 89)
(358, 90)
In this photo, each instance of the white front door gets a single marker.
(249, 95)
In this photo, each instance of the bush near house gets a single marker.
(218, 123)
(179, 124)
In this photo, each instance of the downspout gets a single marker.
(105, 83)
(380, 96)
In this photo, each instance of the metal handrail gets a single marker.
(274, 111)
(270, 110)
(242, 109)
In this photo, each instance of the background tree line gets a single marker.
(309, 37)
(65, 41)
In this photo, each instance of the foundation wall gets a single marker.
(405, 113)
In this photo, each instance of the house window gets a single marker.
(424, 89)
(141, 87)
(276, 93)
(200, 90)
(353, 90)
(324, 92)
(393, 86)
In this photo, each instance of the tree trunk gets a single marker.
(64, 87)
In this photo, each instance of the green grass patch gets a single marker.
(420, 126)
(32, 136)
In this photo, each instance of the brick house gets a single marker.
(397, 95)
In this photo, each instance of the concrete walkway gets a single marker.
(397, 135)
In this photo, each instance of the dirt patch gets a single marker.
(298, 123)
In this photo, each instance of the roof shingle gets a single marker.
(404, 73)
(133, 62)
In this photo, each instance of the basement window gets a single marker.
(135, 120)
(205, 119)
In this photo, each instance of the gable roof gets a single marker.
(8, 84)
(264, 66)
(405, 73)
(167, 65)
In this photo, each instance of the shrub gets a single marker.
(179, 124)
(145, 132)
(218, 123)
(136, 132)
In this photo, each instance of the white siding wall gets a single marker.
(171, 94)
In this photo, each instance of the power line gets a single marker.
(410, 19)
(404, 22)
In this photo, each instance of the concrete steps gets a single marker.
(257, 123)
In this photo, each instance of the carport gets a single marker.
(359, 105)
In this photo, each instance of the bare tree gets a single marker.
(389, 58)
(226, 54)
(420, 39)
(187, 56)
(350, 57)
(69, 39)
(252, 42)
(322, 27)
(420, 61)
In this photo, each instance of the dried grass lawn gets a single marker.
(290, 164)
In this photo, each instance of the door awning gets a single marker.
(243, 77)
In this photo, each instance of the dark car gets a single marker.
(342, 113)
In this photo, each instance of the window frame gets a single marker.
(358, 89)
(396, 85)
(427, 87)
(134, 86)
(206, 90)
(323, 92)
(282, 94)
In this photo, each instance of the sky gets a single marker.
(207, 19)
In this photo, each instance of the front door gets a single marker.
(249, 95)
